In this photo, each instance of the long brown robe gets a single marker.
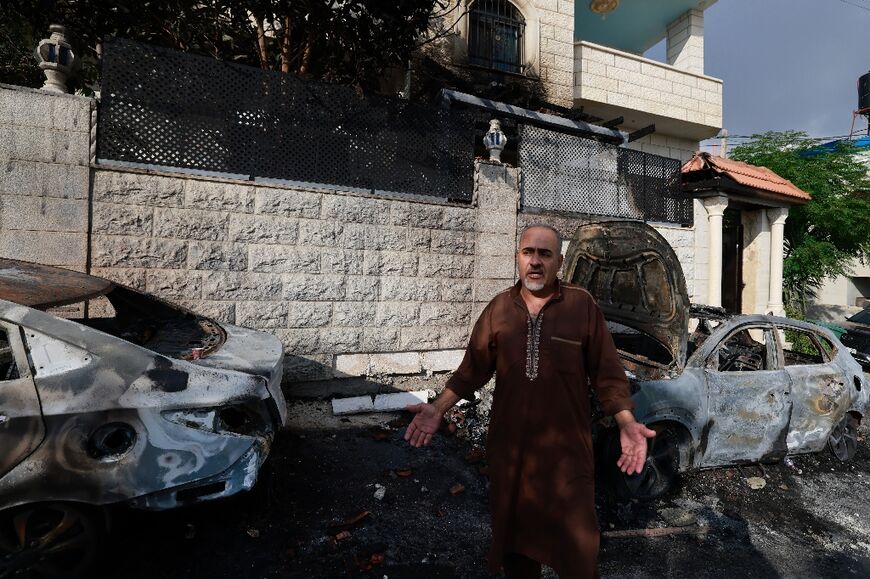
(539, 445)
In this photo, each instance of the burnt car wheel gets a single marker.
(50, 540)
(843, 440)
(659, 471)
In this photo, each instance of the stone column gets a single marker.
(686, 42)
(497, 195)
(776, 217)
(715, 207)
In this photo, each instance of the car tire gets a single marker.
(51, 540)
(659, 471)
(843, 440)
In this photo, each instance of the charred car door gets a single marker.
(819, 389)
(21, 424)
(749, 400)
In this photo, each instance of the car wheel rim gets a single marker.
(844, 439)
(47, 541)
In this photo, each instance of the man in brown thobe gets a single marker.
(546, 342)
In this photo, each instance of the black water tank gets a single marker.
(864, 91)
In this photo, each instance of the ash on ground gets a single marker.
(348, 497)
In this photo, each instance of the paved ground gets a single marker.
(810, 520)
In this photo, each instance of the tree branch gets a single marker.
(306, 53)
(285, 45)
(261, 43)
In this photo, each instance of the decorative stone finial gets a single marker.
(494, 140)
(56, 59)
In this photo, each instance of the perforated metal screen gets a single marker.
(569, 173)
(168, 108)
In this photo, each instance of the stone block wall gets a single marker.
(666, 146)
(548, 52)
(495, 233)
(556, 48)
(352, 285)
(45, 142)
(634, 83)
(682, 239)
(686, 42)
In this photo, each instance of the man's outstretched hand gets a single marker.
(426, 421)
(632, 437)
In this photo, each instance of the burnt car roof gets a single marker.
(45, 286)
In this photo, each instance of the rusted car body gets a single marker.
(739, 389)
(152, 406)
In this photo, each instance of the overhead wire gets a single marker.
(757, 136)
(856, 5)
(716, 142)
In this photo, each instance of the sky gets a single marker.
(786, 64)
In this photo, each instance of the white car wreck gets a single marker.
(153, 406)
(738, 389)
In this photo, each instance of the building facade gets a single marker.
(586, 60)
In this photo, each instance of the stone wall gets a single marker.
(45, 143)
(548, 55)
(666, 146)
(634, 83)
(353, 285)
(556, 49)
(685, 41)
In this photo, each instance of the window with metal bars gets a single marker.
(495, 35)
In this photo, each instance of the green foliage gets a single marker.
(825, 235)
(349, 41)
(17, 43)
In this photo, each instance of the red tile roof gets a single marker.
(745, 174)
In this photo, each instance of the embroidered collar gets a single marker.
(533, 343)
(533, 328)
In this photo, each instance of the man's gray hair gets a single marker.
(544, 226)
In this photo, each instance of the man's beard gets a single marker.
(533, 286)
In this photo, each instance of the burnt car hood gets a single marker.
(42, 286)
(636, 278)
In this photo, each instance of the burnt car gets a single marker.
(857, 337)
(736, 389)
(147, 405)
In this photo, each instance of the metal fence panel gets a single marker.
(168, 108)
(572, 174)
